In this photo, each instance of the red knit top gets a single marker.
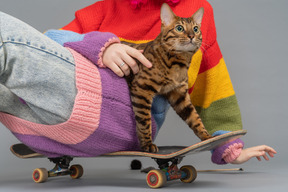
(118, 17)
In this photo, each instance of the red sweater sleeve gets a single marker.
(73, 26)
(87, 19)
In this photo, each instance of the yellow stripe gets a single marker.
(132, 41)
(212, 85)
(194, 68)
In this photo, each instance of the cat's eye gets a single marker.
(196, 29)
(179, 28)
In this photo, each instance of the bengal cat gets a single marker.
(170, 54)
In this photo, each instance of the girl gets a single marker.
(58, 102)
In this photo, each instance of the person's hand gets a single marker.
(121, 58)
(258, 152)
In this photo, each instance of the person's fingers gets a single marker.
(271, 154)
(139, 56)
(124, 67)
(256, 153)
(131, 63)
(115, 68)
(121, 65)
(271, 151)
(265, 157)
(121, 59)
(268, 150)
(263, 150)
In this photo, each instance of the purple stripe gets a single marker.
(47, 146)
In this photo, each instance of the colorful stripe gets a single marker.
(221, 111)
(135, 42)
(212, 85)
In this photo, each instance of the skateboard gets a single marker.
(167, 159)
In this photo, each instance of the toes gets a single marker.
(151, 148)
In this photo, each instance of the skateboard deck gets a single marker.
(167, 159)
(165, 152)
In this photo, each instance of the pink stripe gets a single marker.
(232, 152)
(83, 121)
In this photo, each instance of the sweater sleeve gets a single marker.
(228, 152)
(87, 19)
(93, 45)
(211, 89)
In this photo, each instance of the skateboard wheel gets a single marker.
(191, 174)
(156, 178)
(40, 175)
(76, 171)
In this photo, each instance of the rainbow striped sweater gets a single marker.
(210, 86)
(103, 101)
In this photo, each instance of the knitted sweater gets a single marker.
(102, 119)
(210, 87)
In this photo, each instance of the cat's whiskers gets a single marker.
(203, 48)
(206, 45)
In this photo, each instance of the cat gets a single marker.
(170, 53)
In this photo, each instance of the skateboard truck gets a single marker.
(163, 163)
(168, 170)
(61, 168)
(62, 162)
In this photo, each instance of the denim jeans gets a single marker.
(37, 75)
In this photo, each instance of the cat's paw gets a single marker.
(204, 136)
(151, 148)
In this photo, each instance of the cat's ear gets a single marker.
(198, 15)
(167, 15)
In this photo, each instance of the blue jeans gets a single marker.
(37, 76)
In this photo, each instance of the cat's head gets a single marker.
(181, 34)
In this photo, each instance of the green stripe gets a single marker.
(223, 114)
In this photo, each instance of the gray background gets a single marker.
(253, 38)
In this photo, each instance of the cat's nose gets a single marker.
(191, 36)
